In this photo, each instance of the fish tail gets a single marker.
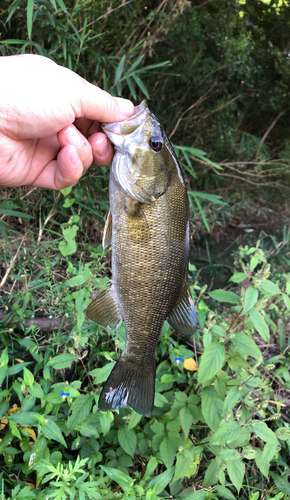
(129, 384)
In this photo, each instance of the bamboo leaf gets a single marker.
(30, 5)
(119, 69)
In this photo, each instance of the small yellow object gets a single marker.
(190, 364)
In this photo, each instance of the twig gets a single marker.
(12, 262)
(268, 131)
(44, 324)
(87, 374)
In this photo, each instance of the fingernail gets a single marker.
(126, 107)
(74, 137)
(103, 148)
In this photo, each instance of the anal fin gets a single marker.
(105, 310)
(183, 318)
(107, 235)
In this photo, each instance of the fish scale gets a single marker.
(148, 229)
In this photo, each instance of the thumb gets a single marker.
(96, 104)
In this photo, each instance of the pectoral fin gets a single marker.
(105, 310)
(183, 317)
(107, 236)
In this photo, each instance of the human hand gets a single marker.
(49, 123)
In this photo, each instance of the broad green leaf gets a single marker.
(211, 475)
(127, 439)
(264, 432)
(198, 495)
(260, 324)
(226, 433)
(183, 465)
(236, 472)
(212, 407)
(36, 391)
(105, 421)
(25, 418)
(269, 287)
(267, 455)
(211, 361)
(283, 433)
(282, 483)
(62, 361)
(231, 399)
(160, 482)
(4, 359)
(66, 191)
(167, 451)
(119, 477)
(51, 430)
(28, 377)
(186, 420)
(101, 374)
(37, 451)
(151, 466)
(75, 281)
(225, 493)
(80, 408)
(67, 247)
(134, 420)
(5, 441)
(3, 374)
(119, 69)
(223, 296)
(245, 345)
(238, 277)
(251, 297)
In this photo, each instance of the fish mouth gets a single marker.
(118, 131)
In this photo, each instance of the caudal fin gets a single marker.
(129, 384)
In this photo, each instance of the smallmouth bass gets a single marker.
(148, 228)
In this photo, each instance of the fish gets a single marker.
(148, 230)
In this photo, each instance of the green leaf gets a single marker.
(28, 377)
(224, 492)
(37, 451)
(151, 466)
(134, 420)
(25, 418)
(231, 399)
(51, 430)
(36, 391)
(160, 482)
(67, 247)
(62, 6)
(267, 455)
(211, 475)
(251, 297)
(237, 278)
(264, 432)
(119, 69)
(62, 361)
(260, 324)
(105, 421)
(223, 296)
(75, 281)
(80, 408)
(183, 465)
(236, 472)
(30, 5)
(167, 451)
(269, 287)
(119, 477)
(5, 441)
(66, 191)
(127, 439)
(246, 346)
(101, 374)
(211, 361)
(212, 407)
(186, 420)
(197, 495)
(227, 432)
(141, 85)
(4, 359)
(282, 484)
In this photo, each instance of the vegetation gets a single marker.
(216, 74)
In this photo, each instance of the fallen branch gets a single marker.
(44, 323)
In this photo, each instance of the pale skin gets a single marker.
(50, 123)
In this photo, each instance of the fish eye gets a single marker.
(155, 143)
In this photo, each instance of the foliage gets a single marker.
(216, 75)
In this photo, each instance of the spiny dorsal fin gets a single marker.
(107, 236)
(183, 318)
(105, 310)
